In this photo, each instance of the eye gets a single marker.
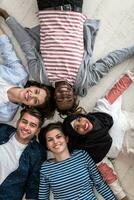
(36, 101)
(24, 121)
(37, 91)
(76, 128)
(33, 125)
(49, 140)
(59, 136)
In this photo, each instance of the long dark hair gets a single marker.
(42, 135)
(48, 107)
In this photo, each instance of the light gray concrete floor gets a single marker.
(116, 31)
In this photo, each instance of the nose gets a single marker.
(26, 127)
(79, 124)
(34, 95)
(55, 140)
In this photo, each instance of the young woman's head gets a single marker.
(53, 138)
(40, 96)
(78, 123)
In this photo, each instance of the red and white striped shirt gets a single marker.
(61, 44)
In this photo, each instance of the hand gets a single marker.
(3, 13)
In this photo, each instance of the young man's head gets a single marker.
(65, 97)
(28, 125)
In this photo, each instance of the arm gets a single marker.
(35, 63)
(104, 65)
(11, 70)
(120, 87)
(32, 185)
(109, 174)
(98, 181)
(28, 45)
(44, 188)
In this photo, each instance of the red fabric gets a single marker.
(119, 87)
(107, 173)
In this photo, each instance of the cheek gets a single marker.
(31, 102)
(48, 144)
(42, 100)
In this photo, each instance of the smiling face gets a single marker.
(64, 96)
(82, 125)
(33, 96)
(27, 127)
(56, 141)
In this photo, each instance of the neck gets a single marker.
(13, 94)
(62, 156)
(20, 140)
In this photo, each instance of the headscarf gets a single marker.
(96, 142)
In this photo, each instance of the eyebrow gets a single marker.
(55, 135)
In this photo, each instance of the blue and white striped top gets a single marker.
(72, 179)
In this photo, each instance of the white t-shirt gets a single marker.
(10, 153)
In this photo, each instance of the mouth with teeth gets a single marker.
(27, 95)
(86, 126)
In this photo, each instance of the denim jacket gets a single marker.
(25, 179)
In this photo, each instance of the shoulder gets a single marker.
(6, 128)
(37, 151)
(80, 153)
(5, 132)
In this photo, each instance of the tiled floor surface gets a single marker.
(116, 31)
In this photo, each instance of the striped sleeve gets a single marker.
(98, 181)
(44, 188)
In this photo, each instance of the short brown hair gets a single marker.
(34, 112)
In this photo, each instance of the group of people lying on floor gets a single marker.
(59, 57)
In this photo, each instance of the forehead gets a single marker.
(30, 118)
(53, 133)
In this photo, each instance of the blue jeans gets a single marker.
(54, 3)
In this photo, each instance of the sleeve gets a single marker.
(104, 65)
(98, 181)
(44, 187)
(12, 69)
(28, 45)
(32, 185)
(119, 87)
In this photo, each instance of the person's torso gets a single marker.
(61, 44)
